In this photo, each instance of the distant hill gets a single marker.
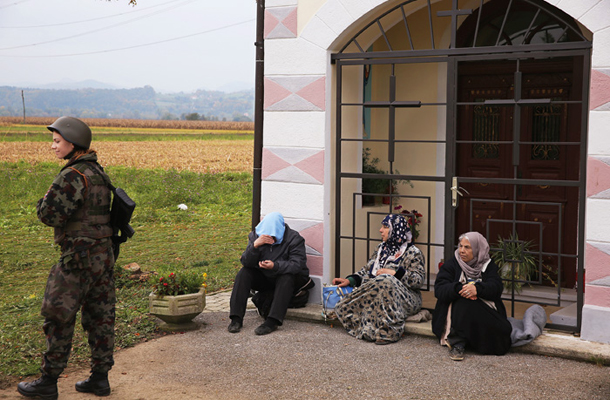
(69, 84)
(138, 103)
(66, 84)
(232, 87)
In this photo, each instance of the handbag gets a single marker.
(332, 294)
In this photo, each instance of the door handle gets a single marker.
(456, 191)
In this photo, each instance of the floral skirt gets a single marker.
(377, 309)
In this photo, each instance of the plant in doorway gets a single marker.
(377, 186)
(371, 185)
(513, 257)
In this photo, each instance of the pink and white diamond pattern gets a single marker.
(313, 233)
(280, 22)
(600, 89)
(295, 93)
(297, 165)
(598, 259)
(598, 177)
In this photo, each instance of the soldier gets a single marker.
(77, 206)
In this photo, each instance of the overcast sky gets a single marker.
(47, 41)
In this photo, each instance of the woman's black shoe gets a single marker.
(456, 353)
(97, 384)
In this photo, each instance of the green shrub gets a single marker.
(180, 283)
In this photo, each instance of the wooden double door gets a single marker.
(521, 119)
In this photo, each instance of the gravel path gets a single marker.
(314, 361)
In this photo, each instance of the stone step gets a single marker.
(565, 316)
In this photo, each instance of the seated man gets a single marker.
(274, 260)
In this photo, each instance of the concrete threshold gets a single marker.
(550, 343)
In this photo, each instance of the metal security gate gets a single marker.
(483, 131)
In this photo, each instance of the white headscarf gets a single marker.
(480, 250)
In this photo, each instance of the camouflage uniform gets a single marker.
(77, 205)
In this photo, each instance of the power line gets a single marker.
(14, 4)
(87, 20)
(136, 46)
(96, 30)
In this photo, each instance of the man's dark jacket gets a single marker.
(289, 257)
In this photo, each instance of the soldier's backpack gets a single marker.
(120, 216)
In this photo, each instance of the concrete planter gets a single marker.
(177, 311)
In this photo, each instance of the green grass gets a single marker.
(34, 133)
(208, 237)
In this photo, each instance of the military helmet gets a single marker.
(73, 130)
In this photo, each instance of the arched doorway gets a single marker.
(475, 117)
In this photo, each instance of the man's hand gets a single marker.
(267, 264)
(263, 239)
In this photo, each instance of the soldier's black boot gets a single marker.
(44, 388)
(97, 384)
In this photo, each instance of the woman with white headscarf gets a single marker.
(469, 311)
(386, 288)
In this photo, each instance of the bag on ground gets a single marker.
(332, 294)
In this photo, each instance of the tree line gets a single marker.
(137, 103)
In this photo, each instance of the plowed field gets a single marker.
(197, 156)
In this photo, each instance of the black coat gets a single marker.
(485, 329)
(289, 257)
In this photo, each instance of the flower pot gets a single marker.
(177, 311)
(368, 200)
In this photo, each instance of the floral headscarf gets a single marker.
(399, 239)
(480, 250)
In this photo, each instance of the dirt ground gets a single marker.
(304, 360)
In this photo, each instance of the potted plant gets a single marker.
(376, 186)
(178, 298)
(413, 219)
(370, 185)
(513, 258)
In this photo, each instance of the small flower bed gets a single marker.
(181, 283)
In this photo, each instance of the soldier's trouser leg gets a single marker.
(59, 343)
(98, 316)
(69, 282)
(59, 307)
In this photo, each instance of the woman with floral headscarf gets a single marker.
(469, 309)
(386, 288)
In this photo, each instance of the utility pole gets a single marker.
(259, 97)
(23, 102)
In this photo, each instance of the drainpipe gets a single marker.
(259, 96)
